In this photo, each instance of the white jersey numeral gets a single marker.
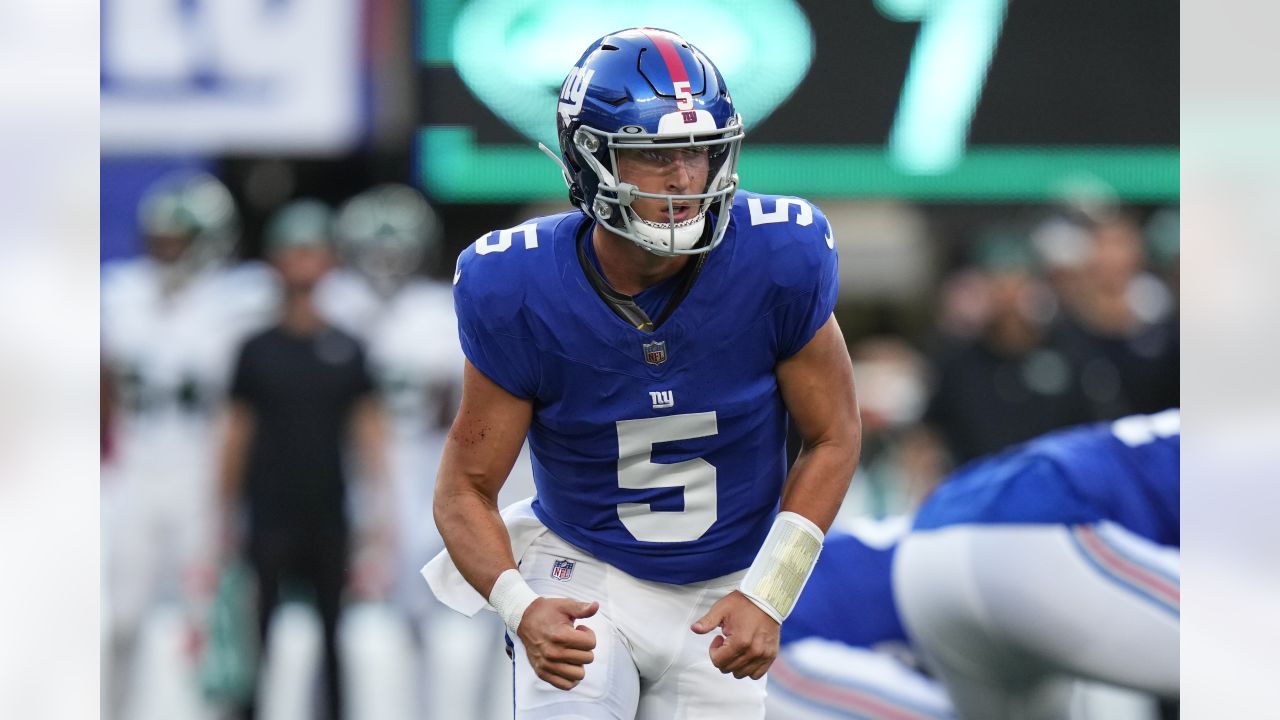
(1138, 430)
(781, 211)
(500, 241)
(637, 471)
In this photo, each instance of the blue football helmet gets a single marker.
(646, 87)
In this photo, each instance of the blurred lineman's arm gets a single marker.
(237, 429)
(369, 428)
(817, 387)
(478, 455)
(372, 574)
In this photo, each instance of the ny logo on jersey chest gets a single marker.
(662, 399)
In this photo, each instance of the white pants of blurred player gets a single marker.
(158, 519)
(156, 529)
(819, 679)
(1009, 616)
(648, 664)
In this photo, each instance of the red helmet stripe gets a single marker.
(675, 68)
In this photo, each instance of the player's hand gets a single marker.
(750, 640)
(558, 651)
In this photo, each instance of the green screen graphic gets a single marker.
(947, 100)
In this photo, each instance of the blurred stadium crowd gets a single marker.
(970, 329)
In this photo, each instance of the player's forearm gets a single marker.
(821, 475)
(371, 439)
(237, 428)
(474, 534)
(817, 387)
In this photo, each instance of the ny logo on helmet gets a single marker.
(574, 91)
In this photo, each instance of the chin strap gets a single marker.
(564, 171)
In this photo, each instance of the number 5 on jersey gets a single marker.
(637, 471)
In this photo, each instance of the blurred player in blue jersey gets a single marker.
(651, 344)
(1053, 562)
(845, 653)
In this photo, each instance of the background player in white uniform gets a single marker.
(389, 242)
(385, 235)
(171, 321)
(1054, 561)
(651, 344)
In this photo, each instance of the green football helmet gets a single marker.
(388, 233)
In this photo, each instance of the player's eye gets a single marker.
(657, 157)
(694, 154)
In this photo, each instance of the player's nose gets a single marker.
(680, 177)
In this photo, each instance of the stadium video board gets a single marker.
(934, 100)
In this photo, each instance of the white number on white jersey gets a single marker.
(637, 471)
(781, 211)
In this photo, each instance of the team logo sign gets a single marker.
(655, 353)
(562, 570)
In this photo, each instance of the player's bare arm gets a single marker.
(237, 428)
(817, 387)
(372, 576)
(481, 448)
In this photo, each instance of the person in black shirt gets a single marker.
(1020, 375)
(300, 394)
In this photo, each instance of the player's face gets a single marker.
(302, 266)
(167, 248)
(669, 171)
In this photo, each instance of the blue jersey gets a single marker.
(662, 453)
(849, 596)
(1126, 471)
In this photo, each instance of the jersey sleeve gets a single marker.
(805, 270)
(487, 298)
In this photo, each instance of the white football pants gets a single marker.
(648, 664)
(1009, 615)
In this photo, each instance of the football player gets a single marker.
(844, 651)
(389, 239)
(1036, 582)
(1053, 561)
(651, 344)
(171, 320)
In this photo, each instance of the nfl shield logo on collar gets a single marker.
(655, 353)
(562, 570)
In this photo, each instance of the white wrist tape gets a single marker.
(783, 565)
(510, 597)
